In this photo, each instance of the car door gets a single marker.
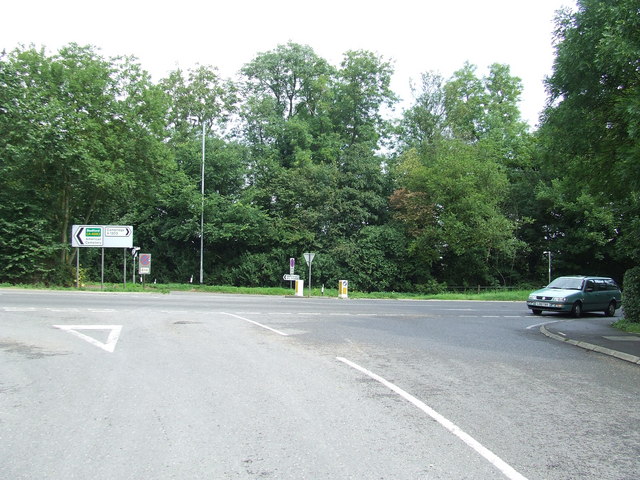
(590, 301)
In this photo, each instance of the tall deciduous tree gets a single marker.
(591, 133)
(464, 142)
(78, 131)
(362, 91)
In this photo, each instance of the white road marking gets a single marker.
(256, 323)
(114, 334)
(487, 454)
(540, 324)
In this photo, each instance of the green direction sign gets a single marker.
(93, 232)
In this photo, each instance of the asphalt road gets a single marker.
(196, 386)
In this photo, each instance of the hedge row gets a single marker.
(632, 294)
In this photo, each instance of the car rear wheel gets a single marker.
(576, 310)
(611, 309)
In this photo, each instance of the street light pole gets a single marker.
(549, 253)
(202, 211)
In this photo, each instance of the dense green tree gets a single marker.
(199, 99)
(455, 196)
(80, 138)
(425, 121)
(312, 131)
(590, 136)
(362, 91)
(303, 164)
(286, 96)
(464, 150)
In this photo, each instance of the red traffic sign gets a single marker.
(144, 265)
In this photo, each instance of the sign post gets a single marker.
(309, 258)
(292, 268)
(144, 265)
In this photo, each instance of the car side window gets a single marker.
(590, 286)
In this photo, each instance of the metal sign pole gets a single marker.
(124, 271)
(309, 258)
(102, 273)
(77, 267)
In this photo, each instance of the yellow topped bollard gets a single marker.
(343, 289)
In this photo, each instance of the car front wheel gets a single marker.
(611, 309)
(576, 310)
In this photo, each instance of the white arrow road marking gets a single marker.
(114, 334)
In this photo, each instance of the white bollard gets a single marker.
(299, 288)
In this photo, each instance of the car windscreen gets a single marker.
(567, 283)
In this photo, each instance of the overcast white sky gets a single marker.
(417, 35)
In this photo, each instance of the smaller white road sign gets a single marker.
(117, 231)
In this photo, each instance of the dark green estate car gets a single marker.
(576, 295)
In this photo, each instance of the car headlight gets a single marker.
(532, 297)
(559, 299)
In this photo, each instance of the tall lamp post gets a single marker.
(202, 210)
(549, 253)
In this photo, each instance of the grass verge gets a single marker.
(627, 326)
(497, 295)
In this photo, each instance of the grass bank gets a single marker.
(626, 326)
(489, 295)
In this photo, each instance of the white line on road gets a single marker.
(530, 327)
(109, 346)
(256, 323)
(487, 454)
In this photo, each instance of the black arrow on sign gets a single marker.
(78, 236)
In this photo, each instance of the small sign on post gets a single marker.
(309, 258)
(144, 265)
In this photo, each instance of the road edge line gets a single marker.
(483, 451)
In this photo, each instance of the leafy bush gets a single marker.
(632, 295)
